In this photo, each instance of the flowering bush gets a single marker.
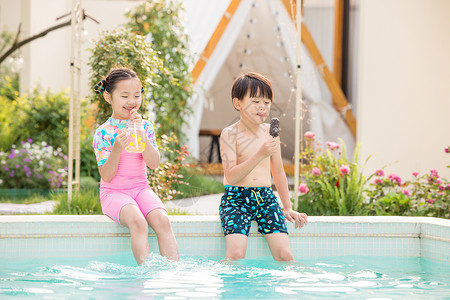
(33, 166)
(331, 184)
(426, 195)
(447, 150)
(163, 179)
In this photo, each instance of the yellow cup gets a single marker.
(135, 135)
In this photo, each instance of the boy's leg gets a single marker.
(131, 217)
(236, 246)
(279, 246)
(159, 221)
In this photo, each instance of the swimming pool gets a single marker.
(360, 257)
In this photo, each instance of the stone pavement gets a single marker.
(202, 205)
(35, 208)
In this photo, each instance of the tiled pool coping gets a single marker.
(37, 236)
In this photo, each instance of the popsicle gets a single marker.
(274, 127)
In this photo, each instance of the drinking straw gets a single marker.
(135, 135)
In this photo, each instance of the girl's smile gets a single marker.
(125, 97)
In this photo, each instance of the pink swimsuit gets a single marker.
(129, 185)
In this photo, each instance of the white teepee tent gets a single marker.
(257, 36)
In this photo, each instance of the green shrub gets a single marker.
(85, 202)
(425, 195)
(164, 179)
(392, 204)
(331, 184)
(11, 123)
(46, 117)
(88, 166)
(122, 48)
(160, 21)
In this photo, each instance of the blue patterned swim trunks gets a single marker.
(240, 205)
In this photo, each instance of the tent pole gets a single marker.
(298, 106)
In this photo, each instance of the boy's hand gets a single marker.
(269, 147)
(300, 219)
(121, 140)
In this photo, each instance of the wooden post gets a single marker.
(298, 108)
(338, 31)
(77, 15)
(339, 99)
(215, 38)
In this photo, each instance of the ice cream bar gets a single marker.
(274, 127)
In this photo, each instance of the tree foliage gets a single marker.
(122, 48)
(161, 22)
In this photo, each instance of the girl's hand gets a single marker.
(300, 219)
(121, 140)
(134, 116)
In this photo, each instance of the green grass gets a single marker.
(26, 196)
(85, 202)
(198, 185)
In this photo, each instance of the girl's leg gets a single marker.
(131, 217)
(159, 221)
(279, 246)
(236, 246)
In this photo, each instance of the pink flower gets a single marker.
(344, 169)
(438, 181)
(406, 192)
(303, 188)
(379, 173)
(434, 173)
(333, 146)
(315, 171)
(378, 181)
(431, 201)
(396, 178)
(415, 174)
(309, 135)
(447, 149)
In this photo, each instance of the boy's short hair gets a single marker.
(255, 83)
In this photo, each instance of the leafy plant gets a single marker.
(9, 80)
(85, 202)
(160, 21)
(163, 179)
(392, 204)
(46, 117)
(331, 184)
(122, 48)
(33, 165)
(10, 127)
(426, 195)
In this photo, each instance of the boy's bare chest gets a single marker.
(248, 144)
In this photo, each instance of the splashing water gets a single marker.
(210, 278)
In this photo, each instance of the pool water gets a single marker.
(349, 277)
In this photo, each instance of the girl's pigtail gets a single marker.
(100, 86)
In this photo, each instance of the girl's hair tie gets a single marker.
(100, 86)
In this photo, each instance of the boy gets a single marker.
(249, 156)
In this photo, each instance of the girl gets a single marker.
(125, 194)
